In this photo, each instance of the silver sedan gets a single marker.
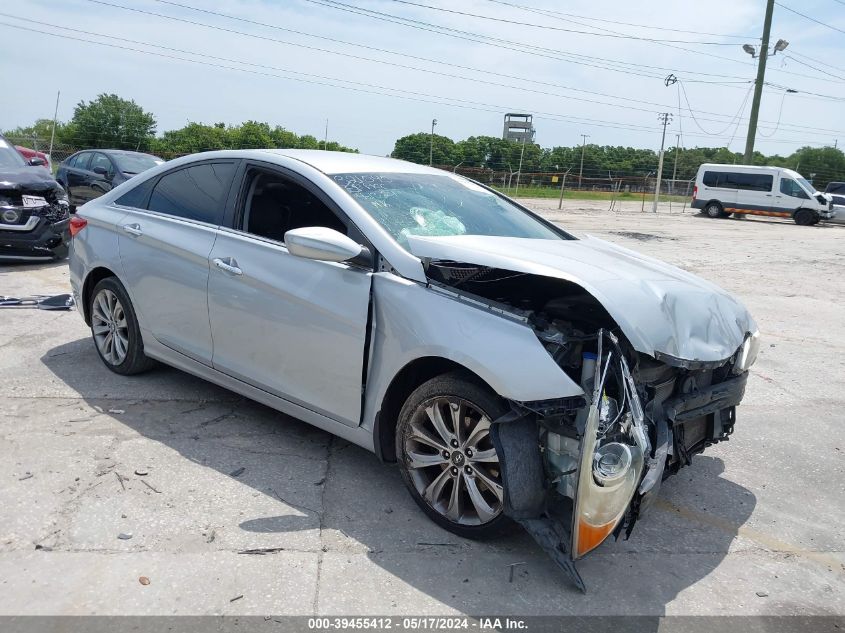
(517, 374)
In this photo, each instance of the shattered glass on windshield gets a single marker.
(439, 205)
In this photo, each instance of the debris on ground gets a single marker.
(238, 472)
(211, 536)
(510, 570)
(43, 548)
(142, 472)
(260, 551)
(120, 479)
(28, 475)
(763, 594)
(144, 580)
(236, 598)
(150, 487)
(117, 411)
(124, 536)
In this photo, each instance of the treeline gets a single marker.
(112, 122)
(822, 164)
(115, 123)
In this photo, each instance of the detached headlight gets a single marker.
(748, 353)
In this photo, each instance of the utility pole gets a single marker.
(519, 169)
(758, 84)
(431, 145)
(53, 132)
(581, 172)
(665, 118)
(675, 168)
(326, 137)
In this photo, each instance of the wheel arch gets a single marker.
(95, 276)
(411, 376)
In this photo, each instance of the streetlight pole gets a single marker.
(53, 131)
(584, 138)
(665, 118)
(758, 84)
(431, 145)
(675, 168)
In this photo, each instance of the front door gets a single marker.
(291, 326)
(164, 250)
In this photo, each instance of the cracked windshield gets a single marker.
(435, 205)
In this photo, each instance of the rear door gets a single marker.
(294, 327)
(164, 249)
(77, 173)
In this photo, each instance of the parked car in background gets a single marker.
(34, 210)
(836, 190)
(722, 190)
(35, 158)
(91, 173)
(514, 371)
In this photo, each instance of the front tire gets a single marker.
(114, 328)
(805, 217)
(447, 458)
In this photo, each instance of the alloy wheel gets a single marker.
(108, 323)
(452, 462)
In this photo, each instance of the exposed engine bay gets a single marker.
(579, 469)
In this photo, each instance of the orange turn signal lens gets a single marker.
(591, 536)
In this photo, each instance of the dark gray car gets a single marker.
(91, 173)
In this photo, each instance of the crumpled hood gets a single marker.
(27, 179)
(659, 307)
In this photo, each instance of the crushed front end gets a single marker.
(579, 469)
(34, 218)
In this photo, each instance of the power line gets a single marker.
(830, 26)
(520, 47)
(556, 14)
(824, 72)
(626, 106)
(555, 28)
(367, 88)
(818, 61)
(499, 42)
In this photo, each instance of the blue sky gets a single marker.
(610, 87)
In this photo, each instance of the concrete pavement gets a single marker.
(198, 477)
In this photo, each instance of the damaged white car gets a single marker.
(515, 372)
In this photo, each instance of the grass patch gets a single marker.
(575, 194)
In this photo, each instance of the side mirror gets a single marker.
(100, 170)
(321, 243)
(36, 161)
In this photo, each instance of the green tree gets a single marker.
(41, 130)
(820, 165)
(110, 122)
(416, 147)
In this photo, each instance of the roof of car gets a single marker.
(348, 162)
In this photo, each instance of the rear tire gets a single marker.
(805, 217)
(715, 210)
(447, 458)
(114, 328)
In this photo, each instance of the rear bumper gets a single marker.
(45, 241)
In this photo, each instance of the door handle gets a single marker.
(133, 229)
(229, 267)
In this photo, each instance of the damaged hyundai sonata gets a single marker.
(516, 373)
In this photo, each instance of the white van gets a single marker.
(721, 190)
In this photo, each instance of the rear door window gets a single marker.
(100, 160)
(194, 193)
(738, 180)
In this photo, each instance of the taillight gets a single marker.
(695, 192)
(77, 224)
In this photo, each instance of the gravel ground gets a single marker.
(194, 475)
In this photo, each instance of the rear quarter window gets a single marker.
(194, 193)
(137, 196)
